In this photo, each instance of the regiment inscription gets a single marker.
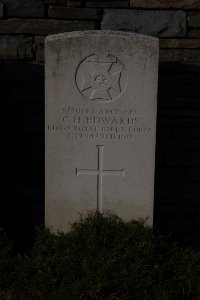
(84, 123)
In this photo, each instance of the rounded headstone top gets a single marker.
(78, 34)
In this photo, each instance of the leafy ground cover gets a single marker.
(101, 258)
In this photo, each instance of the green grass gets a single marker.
(101, 258)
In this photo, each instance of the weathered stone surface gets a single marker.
(105, 1)
(195, 33)
(16, 47)
(72, 13)
(42, 26)
(1, 9)
(194, 19)
(155, 23)
(75, 3)
(180, 43)
(100, 125)
(39, 47)
(113, 4)
(184, 4)
(24, 8)
(176, 55)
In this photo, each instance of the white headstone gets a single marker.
(101, 90)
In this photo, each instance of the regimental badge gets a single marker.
(101, 77)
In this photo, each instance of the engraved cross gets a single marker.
(99, 173)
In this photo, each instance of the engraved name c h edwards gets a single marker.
(100, 120)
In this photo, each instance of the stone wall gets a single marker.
(23, 27)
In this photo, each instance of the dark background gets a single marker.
(23, 27)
